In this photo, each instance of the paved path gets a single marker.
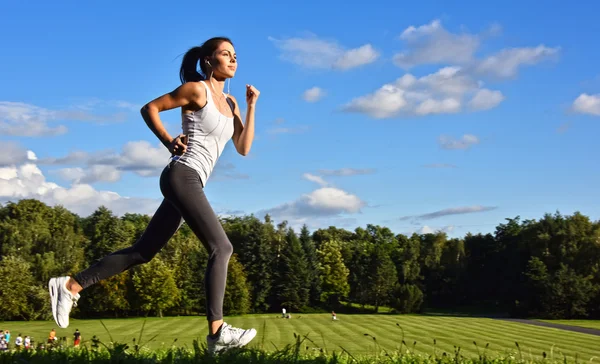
(583, 330)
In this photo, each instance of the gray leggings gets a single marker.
(184, 200)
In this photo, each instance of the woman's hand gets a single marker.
(190, 93)
(251, 95)
(178, 145)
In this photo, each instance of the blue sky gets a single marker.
(422, 116)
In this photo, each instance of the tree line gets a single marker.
(546, 268)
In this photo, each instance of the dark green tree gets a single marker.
(155, 286)
(252, 239)
(293, 286)
(334, 273)
(312, 261)
(382, 276)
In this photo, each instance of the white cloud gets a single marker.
(325, 201)
(139, 157)
(313, 94)
(587, 104)
(357, 57)
(442, 92)
(28, 181)
(386, 102)
(325, 205)
(506, 63)
(316, 179)
(448, 105)
(454, 88)
(335, 172)
(97, 173)
(7, 173)
(72, 174)
(316, 53)
(432, 44)
(73, 157)
(31, 155)
(12, 153)
(22, 119)
(450, 143)
(485, 99)
(333, 200)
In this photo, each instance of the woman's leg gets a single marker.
(64, 291)
(162, 226)
(183, 188)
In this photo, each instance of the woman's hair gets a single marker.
(189, 70)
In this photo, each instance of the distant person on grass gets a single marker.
(19, 342)
(76, 338)
(3, 343)
(210, 117)
(52, 336)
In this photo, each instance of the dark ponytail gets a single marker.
(188, 72)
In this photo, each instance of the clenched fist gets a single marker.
(251, 95)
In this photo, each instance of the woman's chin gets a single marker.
(224, 75)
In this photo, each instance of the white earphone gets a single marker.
(228, 81)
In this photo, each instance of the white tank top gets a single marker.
(208, 132)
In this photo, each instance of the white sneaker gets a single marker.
(230, 337)
(62, 300)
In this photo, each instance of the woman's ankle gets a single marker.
(215, 327)
(73, 286)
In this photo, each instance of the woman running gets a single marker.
(210, 119)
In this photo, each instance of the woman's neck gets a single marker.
(217, 84)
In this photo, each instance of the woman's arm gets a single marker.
(186, 94)
(243, 134)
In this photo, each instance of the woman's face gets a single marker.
(224, 60)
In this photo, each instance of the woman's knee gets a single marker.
(223, 249)
(141, 258)
(136, 255)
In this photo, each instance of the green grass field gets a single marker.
(348, 332)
